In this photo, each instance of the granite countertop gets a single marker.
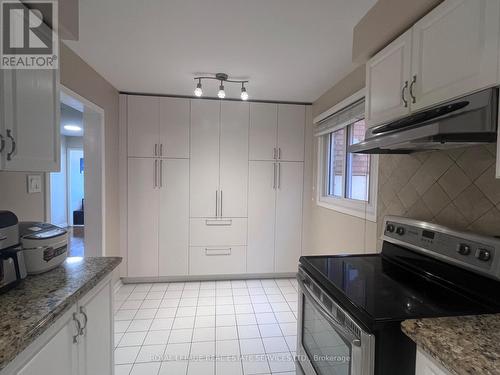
(30, 308)
(463, 345)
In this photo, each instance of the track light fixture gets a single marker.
(222, 77)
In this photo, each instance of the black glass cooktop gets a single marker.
(376, 289)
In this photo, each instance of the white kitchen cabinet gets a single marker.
(173, 217)
(143, 219)
(450, 52)
(30, 131)
(217, 260)
(261, 216)
(276, 132)
(204, 171)
(59, 356)
(455, 50)
(275, 216)
(388, 82)
(233, 159)
(217, 232)
(157, 126)
(291, 128)
(425, 365)
(174, 127)
(95, 310)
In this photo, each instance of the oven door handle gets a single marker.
(317, 304)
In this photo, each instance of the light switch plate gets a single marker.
(34, 183)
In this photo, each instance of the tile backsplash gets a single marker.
(456, 188)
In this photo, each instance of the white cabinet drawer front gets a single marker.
(217, 260)
(425, 365)
(217, 232)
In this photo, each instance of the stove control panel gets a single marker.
(477, 253)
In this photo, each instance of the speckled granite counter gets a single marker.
(29, 309)
(463, 345)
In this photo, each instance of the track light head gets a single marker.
(244, 93)
(198, 91)
(221, 94)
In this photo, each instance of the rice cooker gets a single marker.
(45, 246)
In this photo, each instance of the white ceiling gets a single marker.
(290, 50)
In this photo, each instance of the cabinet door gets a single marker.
(59, 356)
(455, 50)
(425, 365)
(263, 131)
(96, 344)
(289, 216)
(262, 184)
(204, 171)
(174, 127)
(233, 159)
(387, 82)
(143, 199)
(291, 128)
(174, 217)
(33, 124)
(143, 121)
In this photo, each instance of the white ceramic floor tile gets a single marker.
(125, 314)
(145, 369)
(275, 345)
(126, 354)
(157, 337)
(207, 285)
(117, 338)
(224, 309)
(168, 312)
(139, 325)
(206, 301)
(146, 314)
(204, 334)
(207, 293)
(176, 286)
(224, 300)
(248, 332)
(173, 368)
(137, 296)
(262, 308)
(151, 304)
(272, 290)
(123, 369)
(256, 291)
(173, 294)
(251, 346)
(159, 287)
(142, 287)
(201, 367)
(205, 310)
(204, 321)
(225, 320)
(280, 306)
(222, 284)
(240, 300)
(188, 302)
(227, 348)
(244, 309)
(240, 292)
(226, 333)
(174, 302)
(281, 362)
(183, 322)
(276, 298)
(193, 285)
(200, 350)
(151, 353)
(227, 367)
(270, 330)
(132, 339)
(289, 329)
(155, 295)
(255, 365)
(291, 341)
(180, 335)
(177, 352)
(235, 284)
(122, 325)
(186, 311)
(131, 305)
(265, 318)
(224, 292)
(285, 317)
(161, 324)
(245, 319)
(259, 299)
(190, 293)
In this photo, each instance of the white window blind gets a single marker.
(342, 118)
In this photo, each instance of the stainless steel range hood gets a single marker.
(470, 120)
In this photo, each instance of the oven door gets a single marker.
(329, 342)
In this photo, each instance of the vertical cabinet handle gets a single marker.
(156, 149)
(279, 175)
(279, 153)
(161, 172)
(274, 153)
(403, 94)
(413, 82)
(220, 211)
(216, 203)
(161, 149)
(2, 143)
(155, 177)
(274, 176)
(78, 328)
(13, 148)
(85, 320)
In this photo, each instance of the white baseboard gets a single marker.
(164, 279)
(117, 286)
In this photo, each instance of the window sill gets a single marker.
(350, 207)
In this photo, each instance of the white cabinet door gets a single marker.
(291, 128)
(262, 184)
(32, 134)
(455, 50)
(263, 131)
(143, 125)
(96, 343)
(174, 127)
(59, 356)
(233, 159)
(388, 82)
(425, 365)
(204, 171)
(143, 203)
(289, 216)
(174, 217)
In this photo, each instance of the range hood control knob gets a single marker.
(483, 254)
(389, 228)
(400, 231)
(463, 249)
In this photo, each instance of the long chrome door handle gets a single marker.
(161, 172)
(274, 176)
(216, 203)
(13, 148)
(413, 82)
(155, 177)
(156, 149)
(403, 94)
(279, 153)
(220, 213)
(161, 149)
(279, 175)
(274, 153)
(2, 142)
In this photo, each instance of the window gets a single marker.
(346, 181)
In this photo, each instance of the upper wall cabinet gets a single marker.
(29, 124)
(276, 132)
(454, 51)
(158, 126)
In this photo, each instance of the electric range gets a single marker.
(351, 307)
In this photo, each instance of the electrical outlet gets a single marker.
(34, 184)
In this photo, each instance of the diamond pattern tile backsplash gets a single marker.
(456, 188)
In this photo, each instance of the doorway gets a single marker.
(75, 194)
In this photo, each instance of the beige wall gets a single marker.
(79, 77)
(328, 231)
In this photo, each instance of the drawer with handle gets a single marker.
(215, 260)
(217, 232)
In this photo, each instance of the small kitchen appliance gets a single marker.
(45, 246)
(12, 267)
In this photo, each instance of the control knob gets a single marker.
(464, 249)
(483, 255)
(389, 228)
(400, 231)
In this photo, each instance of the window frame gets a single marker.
(353, 207)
